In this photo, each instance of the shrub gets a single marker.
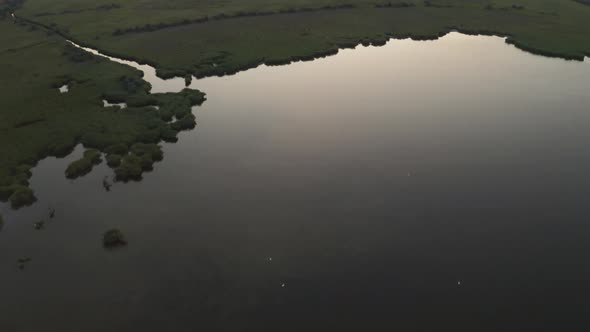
(22, 196)
(152, 150)
(61, 149)
(166, 114)
(141, 101)
(120, 149)
(147, 163)
(129, 169)
(113, 238)
(133, 85)
(185, 123)
(149, 136)
(6, 192)
(93, 156)
(168, 134)
(84, 165)
(113, 160)
(78, 168)
(24, 169)
(21, 178)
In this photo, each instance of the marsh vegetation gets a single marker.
(84, 165)
(52, 123)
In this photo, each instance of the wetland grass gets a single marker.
(113, 160)
(84, 165)
(76, 117)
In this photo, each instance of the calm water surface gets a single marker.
(419, 186)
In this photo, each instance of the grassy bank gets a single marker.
(227, 46)
(209, 38)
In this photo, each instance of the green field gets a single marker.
(206, 38)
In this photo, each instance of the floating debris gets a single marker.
(39, 225)
(22, 261)
(459, 283)
(106, 184)
(51, 213)
(270, 259)
(113, 238)
(64, 89)
(283, 285)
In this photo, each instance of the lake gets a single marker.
(418, 186)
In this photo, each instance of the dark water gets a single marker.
(420, 186)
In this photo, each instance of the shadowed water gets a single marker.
(419, 186)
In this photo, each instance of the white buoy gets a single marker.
(283, 285)
(459, 283)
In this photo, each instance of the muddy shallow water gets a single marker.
(418, 186)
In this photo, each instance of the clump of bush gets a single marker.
(180, 104)
(167, 73)
(20, 175)
(22, 196)
(132, 84)
(13, 186)
(166, 113)
(129, 169)
(185, 123)
(120, 149)
(140, 159)
(84, 165)
(141, 101)
(61, 149)
(113, 238)
(75, 54)
(168, 134)
(114, 160)
(154, 151)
